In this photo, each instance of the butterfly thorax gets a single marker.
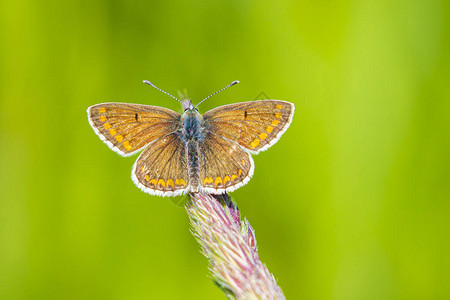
(192, 133)
(192, 129)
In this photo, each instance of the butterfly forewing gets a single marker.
(161, 169)
(126, 128)
(255, 125)
(224, 165)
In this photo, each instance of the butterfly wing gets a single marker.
(126, 128)
(224, 165)
(255, 125)
(161, 169)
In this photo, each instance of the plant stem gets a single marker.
(230, 246)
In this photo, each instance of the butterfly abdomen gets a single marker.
(193, 165)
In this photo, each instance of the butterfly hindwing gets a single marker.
(161, 169)
(126, 128)
(224, 165)
(255, 125)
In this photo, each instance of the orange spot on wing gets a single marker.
(119, 138)
(107, 126)
(207, 180)
(233, 177)
(170, 183)
(279, 106)
(255, 143)
(225, 180)
(217, 181)
(161, 182)
(275, 122)
(153, 181)
(147, 177)
(102, 110)
(113, 132)
(102, 118)
(278, 115)
(240, 172)
(263, 136)
(180, 182)
(127, 145)
(269, 129)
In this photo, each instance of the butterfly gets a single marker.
(190, 152)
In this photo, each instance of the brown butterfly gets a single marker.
(190, 152)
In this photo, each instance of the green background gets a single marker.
(352, 203)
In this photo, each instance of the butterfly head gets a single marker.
(187, 105)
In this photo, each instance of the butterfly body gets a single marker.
(190, 152)
(192, 133)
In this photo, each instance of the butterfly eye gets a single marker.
(190, 107)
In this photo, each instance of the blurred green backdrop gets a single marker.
(352, 203)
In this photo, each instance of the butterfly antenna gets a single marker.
(233, 83)
(151, 84)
